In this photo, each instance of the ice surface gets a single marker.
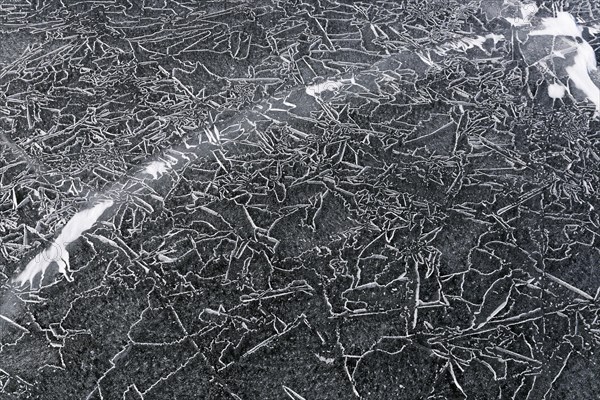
(376, 200)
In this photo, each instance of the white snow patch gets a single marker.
(594, 29)
(156, 168)
(556, 91)
(467, 43)
(57, 252)
(328, 86)
(584, 61)
(326, 360)
(516, 21)
(165, 259)
(562, 25)
(495, 37)
(319, 88)
(527, 12)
